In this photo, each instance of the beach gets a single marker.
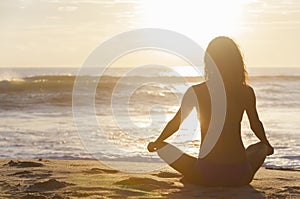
(44, 155)
(37, 114)
(90, 89)
(48, 178)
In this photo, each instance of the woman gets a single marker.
(228, 163)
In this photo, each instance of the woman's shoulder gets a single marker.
(201, 87)
(248, 89)
(248, 93)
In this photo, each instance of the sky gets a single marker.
(62, 33)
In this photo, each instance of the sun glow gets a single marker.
(202, 20)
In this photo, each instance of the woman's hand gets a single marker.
(152, 147)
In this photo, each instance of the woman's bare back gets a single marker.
(229, 148)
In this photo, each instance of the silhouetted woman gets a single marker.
(228, 163)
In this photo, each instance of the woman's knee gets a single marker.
(258, 147)
(263, 148)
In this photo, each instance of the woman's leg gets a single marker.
(256, 155)
(178, 160)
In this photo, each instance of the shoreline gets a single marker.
(49, 178)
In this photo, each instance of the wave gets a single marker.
(36, 83)
(60, 82)
(66, 82)
(57, 89)
(276, 77)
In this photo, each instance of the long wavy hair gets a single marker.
(224, 53)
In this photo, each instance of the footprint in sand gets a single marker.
(23, 164)
(165, 174)
(31, 196)
(145, 184)
(37, 196)
(291, 189)
(30, 174)
(99, 171)
(48, 185)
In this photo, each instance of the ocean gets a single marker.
(37, 119)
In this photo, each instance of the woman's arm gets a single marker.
(173, 125)
(255, 123)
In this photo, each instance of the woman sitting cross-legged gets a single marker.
(228, 163)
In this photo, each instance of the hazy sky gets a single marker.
(46, 33)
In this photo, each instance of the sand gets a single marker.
(39, 179)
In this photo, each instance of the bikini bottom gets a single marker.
(216, 174)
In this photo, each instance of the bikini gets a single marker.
(216, 174)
